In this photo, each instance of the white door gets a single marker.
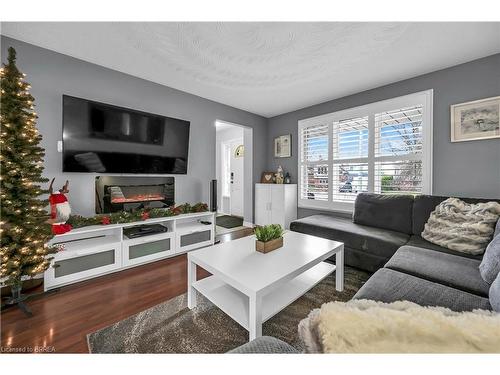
(237, 177)
(225, 177)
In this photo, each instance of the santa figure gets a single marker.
(60, 209)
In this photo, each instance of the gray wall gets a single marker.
(460, 169)
(465, 169)
(52, 74)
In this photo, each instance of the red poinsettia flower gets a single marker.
(145, 215)
(105, 220)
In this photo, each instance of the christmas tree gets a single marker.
(24, 228)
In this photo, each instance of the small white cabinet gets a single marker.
(275, 204)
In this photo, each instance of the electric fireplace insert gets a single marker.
(114, 194)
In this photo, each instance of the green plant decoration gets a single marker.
(268, 232)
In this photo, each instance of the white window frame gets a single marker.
(424, 98)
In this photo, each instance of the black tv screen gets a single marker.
(103, 138)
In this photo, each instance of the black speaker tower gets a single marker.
(213, 196)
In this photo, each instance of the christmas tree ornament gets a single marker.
(60, 210)
(24, 229)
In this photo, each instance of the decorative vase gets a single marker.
(266, 247)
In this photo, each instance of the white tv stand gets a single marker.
(101, 249)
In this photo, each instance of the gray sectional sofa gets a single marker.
(383, 236)
(379, 226)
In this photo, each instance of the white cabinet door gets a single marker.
(262, 204)
(277, 208)
(148, 248)
(275, 204)
(194, 239)
(80, 265)
(290, 205)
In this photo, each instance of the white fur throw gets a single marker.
(364, 326)
(463, 227)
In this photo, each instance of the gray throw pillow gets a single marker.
(490, 265)
(495, 294)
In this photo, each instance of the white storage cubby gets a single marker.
(85, 255)
(98, 250)
(148, 248)
(192, 234)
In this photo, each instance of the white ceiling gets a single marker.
(267, 68)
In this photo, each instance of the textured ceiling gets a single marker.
(267, 68)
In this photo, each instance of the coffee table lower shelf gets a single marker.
(236, 304)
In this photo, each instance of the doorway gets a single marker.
(234, 176)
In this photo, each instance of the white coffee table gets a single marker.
(251, 287)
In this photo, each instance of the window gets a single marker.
(383, 147)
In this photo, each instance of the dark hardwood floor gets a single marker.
(62, 319)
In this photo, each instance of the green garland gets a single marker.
(78, 221)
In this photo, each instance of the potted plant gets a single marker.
(269, 238)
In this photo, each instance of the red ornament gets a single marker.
(105, 220)
(145, 215)
(61, 228)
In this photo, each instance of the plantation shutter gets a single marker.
(350, 158)
(383, 147)
(314, 179)
(398, 151)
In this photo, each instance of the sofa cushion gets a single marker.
(388, 286)
(460, 226)
(418, 241)
(495, 294)
(265, 345)
(423, 205)
(393, 212)
(447, 269)
(381, 242)
(490, 265)
(362, 260)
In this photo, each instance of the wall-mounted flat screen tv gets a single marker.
(103, 138)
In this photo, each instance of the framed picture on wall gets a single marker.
(475, 120)
(283, 146)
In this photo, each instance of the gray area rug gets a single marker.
(171, 327)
